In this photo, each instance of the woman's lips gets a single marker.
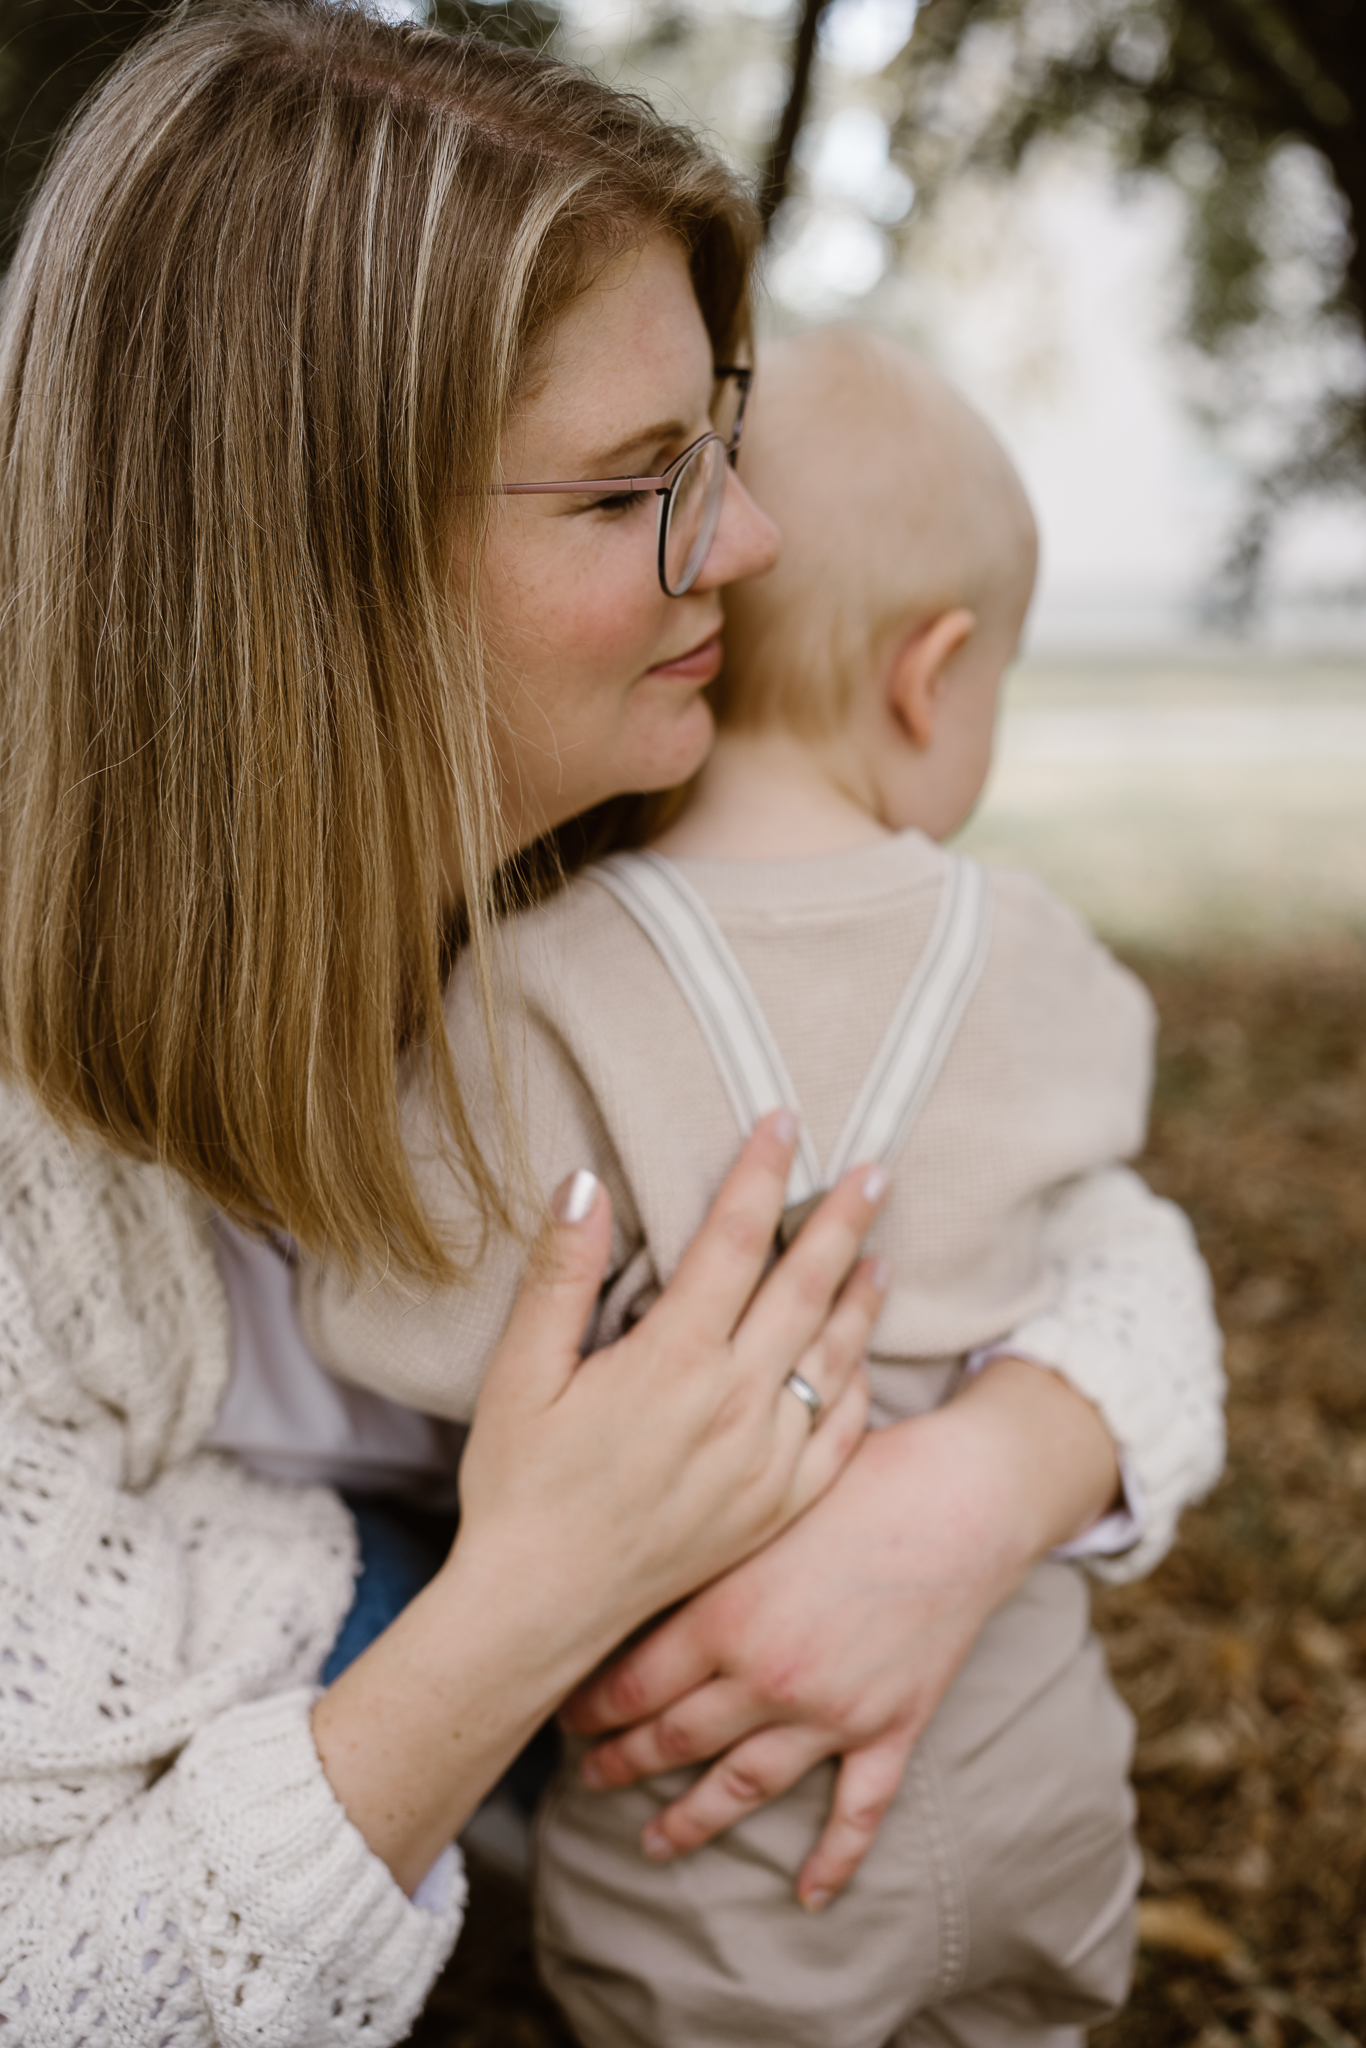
(698, 665)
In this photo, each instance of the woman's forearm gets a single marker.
(1058, 1466)
(1132, 1329)
(416, 1731)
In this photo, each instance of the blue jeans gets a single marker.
(402, 1548)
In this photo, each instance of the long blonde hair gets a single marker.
(257, 347)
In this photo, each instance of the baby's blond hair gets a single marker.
(896, 503)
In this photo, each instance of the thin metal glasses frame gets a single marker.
(663, 485)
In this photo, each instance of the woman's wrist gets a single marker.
(415, 1733)
(1057, 1462)
(1033, 1466)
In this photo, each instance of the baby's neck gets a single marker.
(768, 796)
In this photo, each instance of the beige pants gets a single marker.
(995, 1907)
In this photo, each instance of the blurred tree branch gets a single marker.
(1214, 93)
(777, 171)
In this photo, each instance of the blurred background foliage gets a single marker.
(1250, 109)
(1248, 112)
(1253, 110)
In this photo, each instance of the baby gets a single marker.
(800, 935)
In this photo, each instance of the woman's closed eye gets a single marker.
(618, 502)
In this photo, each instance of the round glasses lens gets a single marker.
(693, 516)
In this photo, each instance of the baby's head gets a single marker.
(906, 570)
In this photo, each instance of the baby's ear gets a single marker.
(918, 674)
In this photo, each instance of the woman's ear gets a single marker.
(916, 682)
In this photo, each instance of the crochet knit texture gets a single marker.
(174, 1867)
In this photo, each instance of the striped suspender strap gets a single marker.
(924, 1023)
(914, 1047)
(713, 984)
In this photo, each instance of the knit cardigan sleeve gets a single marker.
(1132, 1327)
(175, 1870)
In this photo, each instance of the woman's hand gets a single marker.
(841, 1638)
(660, 1461)
(597, 1491)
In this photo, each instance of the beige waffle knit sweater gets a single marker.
(1008, 1215)
(174, 1869)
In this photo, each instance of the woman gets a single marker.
(288, 681)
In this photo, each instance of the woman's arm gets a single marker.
(1133, 1329)
(843, 1636)
(171, 1855)
(187, 1834)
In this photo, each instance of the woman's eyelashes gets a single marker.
(618, 502)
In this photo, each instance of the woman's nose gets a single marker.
(746, 542)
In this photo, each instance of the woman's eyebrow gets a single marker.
(610, 461)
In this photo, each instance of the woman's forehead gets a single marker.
(628, 362)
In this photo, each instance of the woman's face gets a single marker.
(597, 676)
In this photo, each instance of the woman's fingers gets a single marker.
(671, 1661)
(758, 1769)
(704, 1722)
(721, 1268)
(828, 1447)
(866, 1786)
(792, 1310)
(540, 1347)
(834, 1356)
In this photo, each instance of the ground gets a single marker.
(1244, 1657)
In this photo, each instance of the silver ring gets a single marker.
(807, 1395)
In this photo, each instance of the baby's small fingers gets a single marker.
(866, 1786)
(759, 1769)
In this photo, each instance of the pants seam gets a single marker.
(950, 1891)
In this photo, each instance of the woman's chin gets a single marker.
(680, 751)
(663, 757)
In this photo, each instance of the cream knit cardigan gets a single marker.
(174, 1867)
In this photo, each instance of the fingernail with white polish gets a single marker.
(657, 1845)
(816, 1901)
(785, 1127)
(879, 1275)
(574, 1198)
(875, 1185)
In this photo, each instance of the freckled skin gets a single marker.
(597, 675)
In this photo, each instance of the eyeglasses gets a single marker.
(691, 490)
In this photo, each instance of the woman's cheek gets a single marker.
(617, 630)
